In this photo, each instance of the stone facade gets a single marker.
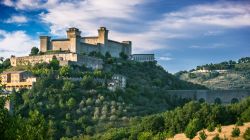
(17, 80)
(75, 43)
(143, 57)
(64, 58)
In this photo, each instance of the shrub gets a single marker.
(192, 128)
(219, 128)
(246, 135)
(202, 135)
(239, 122)
(236, 132)
(216, 137)
(211, 127)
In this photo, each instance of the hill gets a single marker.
(226, 133)
(225, 75)
(59, 107)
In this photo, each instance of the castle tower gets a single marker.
(74, 36)
(128, 47)
(103, 35)
(45, 43)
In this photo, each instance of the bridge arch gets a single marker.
(201, 100)
(234, 100)
(217, 100)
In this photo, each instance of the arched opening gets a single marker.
(234, 100)
(201, 100)
(217, 101)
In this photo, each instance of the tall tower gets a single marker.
(74, 36)
(103, 35)
(45, 43)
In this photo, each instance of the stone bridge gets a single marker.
(212, 96)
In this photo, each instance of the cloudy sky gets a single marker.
(182, 34)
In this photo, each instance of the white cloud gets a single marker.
(165, 58)
(15, 43)
(17, 19)
(189, 22)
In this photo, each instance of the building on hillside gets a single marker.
(75, 43)
(117, 82)
(17, 80)
(74, 49)
(143, 57)
(64, 58)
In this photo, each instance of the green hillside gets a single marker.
(58, 107)
(225, 75)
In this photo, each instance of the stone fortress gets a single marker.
(75, 49)
(75, 43)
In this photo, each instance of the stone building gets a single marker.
(17, 80)
(65, 58)
(143, 57)
(74, 49)
(75, 43)
(118, 82)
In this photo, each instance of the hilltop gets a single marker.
(86, 106)
(224, 75)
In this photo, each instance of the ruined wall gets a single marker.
(225, 96)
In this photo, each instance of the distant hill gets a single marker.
(224, 75)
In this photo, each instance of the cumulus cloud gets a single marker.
(17, 19)
(17, 43)
(188, 22)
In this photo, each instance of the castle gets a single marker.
(75, 49)
(75, 43)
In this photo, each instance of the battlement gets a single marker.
(75, 43)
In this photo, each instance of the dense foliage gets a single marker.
(190, 118)
(4, 64)
(74, 100)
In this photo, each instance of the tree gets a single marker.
(107, 55)
(202, 135)
(54, 63)
(211, 127)
(71, 102)
(219, 128)
(34, 51)
(123, 56)
(68, 86)
(216, 137)
(192, 128)
(236, 132)
(246, 135)
(65, 71)
(36, 126)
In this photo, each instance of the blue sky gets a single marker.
(182, 34)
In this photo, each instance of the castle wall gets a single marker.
(63, 45)
(87, 48)
(26, 60)
(64, 59)
(114, 48)
(90, 40)
(225, 96)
